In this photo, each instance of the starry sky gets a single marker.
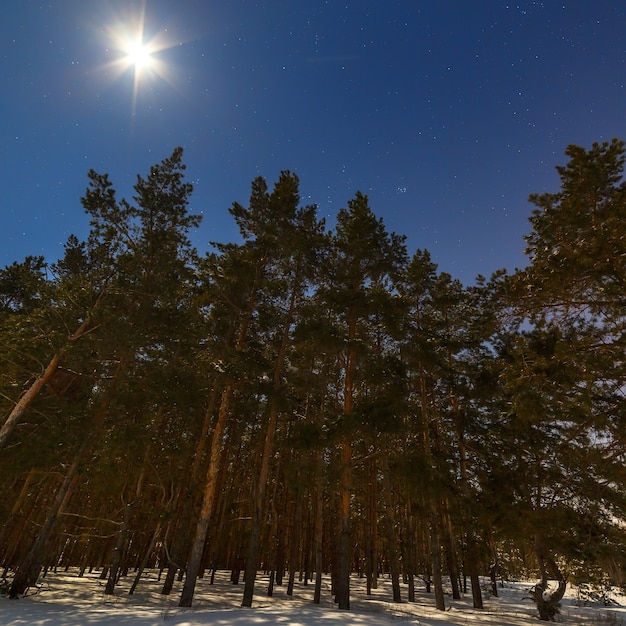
(446, 113)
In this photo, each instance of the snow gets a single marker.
(64, 599)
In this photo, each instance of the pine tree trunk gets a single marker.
(259, 507)
(547, 603)
(368, 558)
(208, 501)
(472, 544)
(435, 538)
(472, 561)
(435, 543)
(294, 542)
(371, 555)
(215, 454)
(394, 562)
(344, 540)
(33, 391)
(451, 560)
(15, 524)
(118, 551)
(27, 399)
(318, 540)
(251, 562)
(495, 566)
(409, 556)
(170, 577)
(146, 558)
(472, 568)
(29, 569)
(280, 546)
(187, 499)
(268, 447)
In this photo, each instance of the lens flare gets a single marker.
(135, 51)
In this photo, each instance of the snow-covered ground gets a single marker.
(64, 599)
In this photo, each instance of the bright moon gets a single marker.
(138, 55)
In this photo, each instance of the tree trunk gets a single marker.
(472, 553)
(31, 393)
(435, 538)
(208, 501)
(371, 553)
(344, 540)
(170, 577)
(146, 558)
(14, 526)
(394, 562)
(318, 541)
(30, 567)
(435, 551)
(27, 399)
(215, 453)
(494, 566)
(268, 446)
(118, 551)
(120, 545)
(259, 507)
(472, 544)
(451, 559)
(186, 499)
(547, 603)
(294, 538)
(409, 560)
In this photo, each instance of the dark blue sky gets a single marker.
(447, 113)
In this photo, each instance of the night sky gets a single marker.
(447, 113)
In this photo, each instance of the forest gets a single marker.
(317, 403)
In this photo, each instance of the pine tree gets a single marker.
(562, 378)
(363, 257)
(293, 244)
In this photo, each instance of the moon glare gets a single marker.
(138, 55)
